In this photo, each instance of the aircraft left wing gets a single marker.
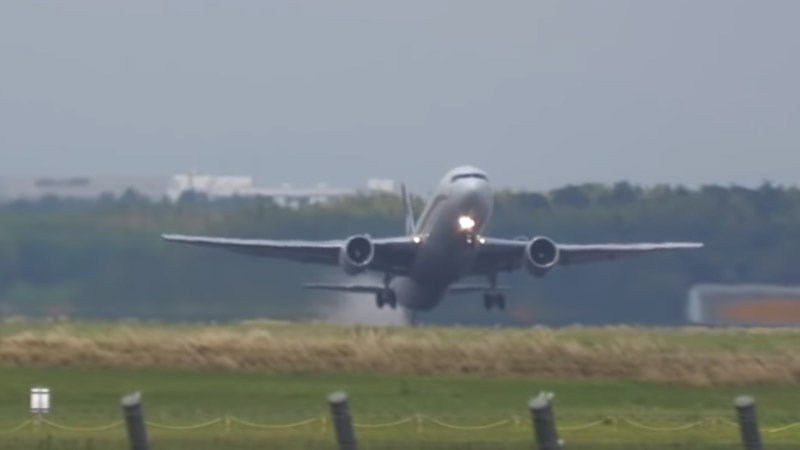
(507, 254)
(393, 255)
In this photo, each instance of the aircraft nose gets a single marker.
(478, 190)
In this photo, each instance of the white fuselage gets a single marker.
(445, 253)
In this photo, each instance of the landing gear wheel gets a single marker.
(387, 297)
(391, 299)
(488, 301)
(491, 300)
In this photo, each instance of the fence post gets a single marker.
(134, 421)
(544, 422)
(342, 421)
(748, 423)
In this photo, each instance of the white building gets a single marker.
(213, 186)
(383, 185)
(172, 188)
(744, 304)
(32, 188)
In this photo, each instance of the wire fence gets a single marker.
(228, 422)
(341, 424)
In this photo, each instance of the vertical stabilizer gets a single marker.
(407, 209)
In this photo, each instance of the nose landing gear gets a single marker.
(470, 239)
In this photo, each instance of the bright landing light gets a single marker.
(466, 223)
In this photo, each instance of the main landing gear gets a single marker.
(494, 299)
(386, 297)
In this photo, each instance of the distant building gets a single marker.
(294, 197)
(172, 188)
(745, 304)
(33, 188)
(383, 185)
(213, 186)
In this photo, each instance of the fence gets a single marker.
(542, 419)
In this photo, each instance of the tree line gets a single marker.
(104, 258)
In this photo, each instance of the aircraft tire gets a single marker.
(488, 301)
(386, 298)
(391, 299)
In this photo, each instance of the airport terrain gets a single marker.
(234, 383)
(691, 356)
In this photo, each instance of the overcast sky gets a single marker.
(538, 93)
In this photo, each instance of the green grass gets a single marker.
(89, 398)
(269, 378)
(691, 356)
(692, 339)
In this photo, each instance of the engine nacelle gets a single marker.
(541, 254)
(356, 254)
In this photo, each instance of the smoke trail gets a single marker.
(356, 309)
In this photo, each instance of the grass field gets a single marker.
(699, 357)
(260, 374)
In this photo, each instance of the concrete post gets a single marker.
(544, 422)
(342, 421)
(748, 423)
(134, 421)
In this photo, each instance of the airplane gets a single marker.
(438, 250)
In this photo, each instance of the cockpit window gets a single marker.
(468, 175)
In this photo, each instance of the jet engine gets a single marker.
(356, 254)
(541, 254)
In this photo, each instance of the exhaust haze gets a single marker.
(356, 309)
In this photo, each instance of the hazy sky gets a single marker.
(538, 93)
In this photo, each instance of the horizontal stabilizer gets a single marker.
(468, 288)
(376, 289)
(358, 288)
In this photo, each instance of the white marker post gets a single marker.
(40, 402)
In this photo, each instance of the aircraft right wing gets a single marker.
(586, 253)
(392, 255)
(507, 254)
